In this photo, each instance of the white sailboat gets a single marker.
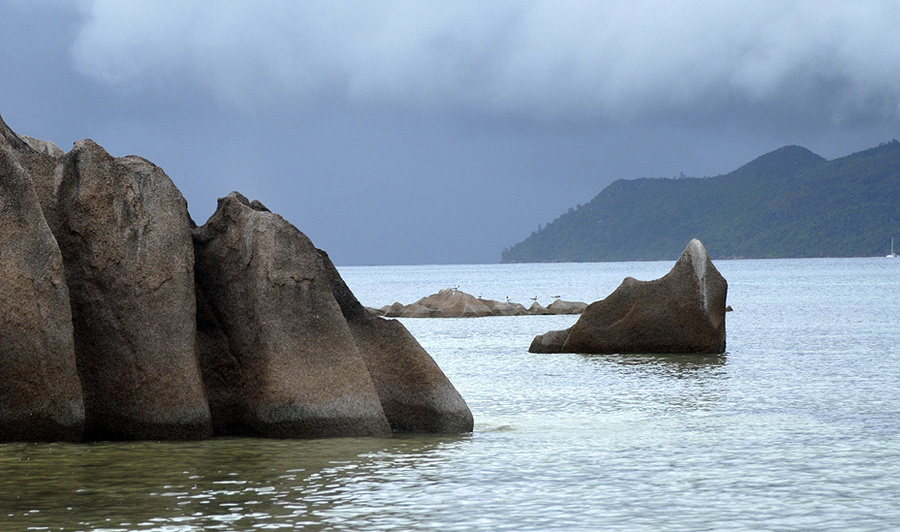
(892, 255)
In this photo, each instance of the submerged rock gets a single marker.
(278, 357)
(681, 312)
(40, 393)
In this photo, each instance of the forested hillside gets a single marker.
(787, 203)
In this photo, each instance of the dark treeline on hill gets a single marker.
(787, 203)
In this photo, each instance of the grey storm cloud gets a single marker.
(544, 60)
(407, 132)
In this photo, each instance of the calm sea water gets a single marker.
(797, 426)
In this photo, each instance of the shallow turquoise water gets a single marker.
(796, 427)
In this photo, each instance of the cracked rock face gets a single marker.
(278, 357)
(681, 312)
(40, 393)
(124, 232)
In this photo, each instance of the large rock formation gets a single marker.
(681, 312)
(415, 393)
(40, 393)
(124, 232)
(100, 311)
(277, 354)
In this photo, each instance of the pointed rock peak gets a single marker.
(27, 144)
(88, 145)
(9, 137)
(234, 200)
(696, 253)
(237, 196)
(256, 205)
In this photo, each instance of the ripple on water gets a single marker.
(795, 427)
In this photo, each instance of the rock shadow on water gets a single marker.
(664, 383)
(675, 365)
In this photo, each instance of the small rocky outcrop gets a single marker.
(536, 309)
(566, 307)
(277, 354)
(109, 328)
(681, 312)
(415, 393)
(451, 303)
(505, 308)
(40, 393)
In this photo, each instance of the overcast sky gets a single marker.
(442, 132)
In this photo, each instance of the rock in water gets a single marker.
(681, 312)
(278, 357)
(504, 308)
(414, 392)
(101, 303)
(566, 307)
(451, 303)
(40, 393)
(124, 232)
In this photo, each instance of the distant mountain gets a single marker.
(787, 203)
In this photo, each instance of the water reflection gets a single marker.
(661, 383)
(674, 365)
(213, 485)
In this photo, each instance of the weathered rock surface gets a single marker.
(504, 308)
(681, 312)
(278, 357)
(40, 393)
(414, 392)
(11, 140)
(536, 309)
(100, 311)
(43, 146)
(124, 232)
(560, 306)
(451, 303)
